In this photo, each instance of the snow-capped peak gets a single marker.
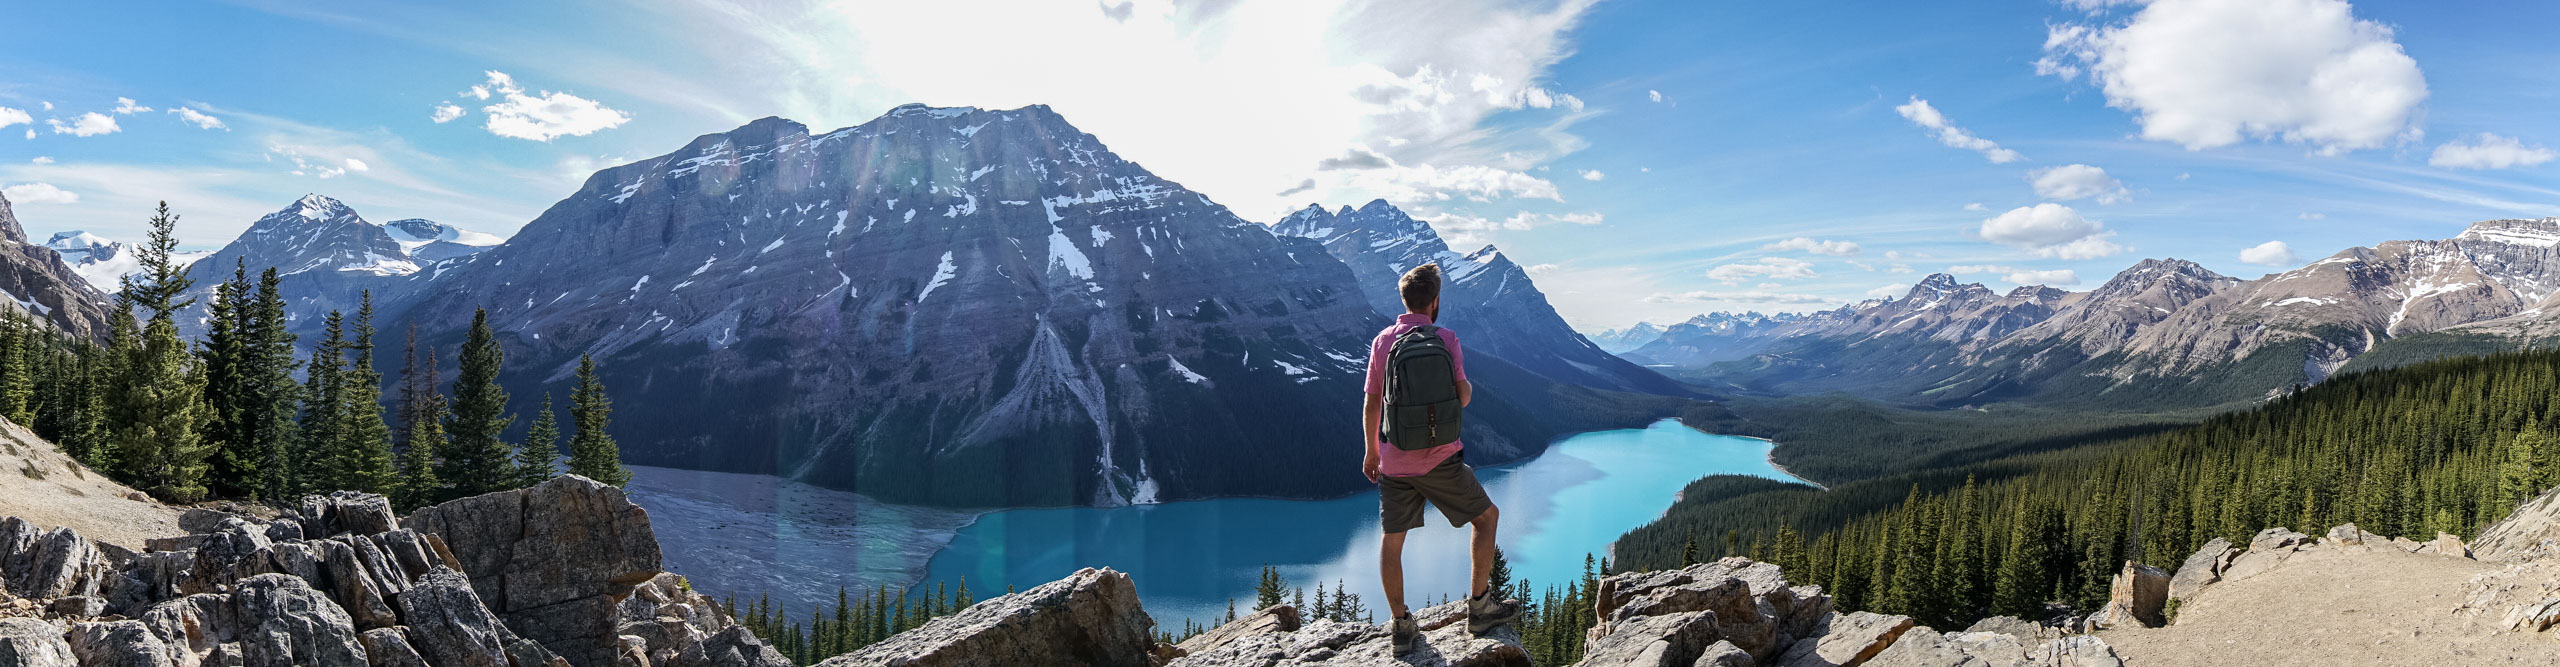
(2542, 233)
(318, 207)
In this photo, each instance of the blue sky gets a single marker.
(1651, 159)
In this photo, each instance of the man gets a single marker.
(1407, 476)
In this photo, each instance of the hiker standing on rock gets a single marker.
(1417, 392)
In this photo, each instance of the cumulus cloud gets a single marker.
(1927, 117)
(2045, 277)
(539, 116)
(1460, 226)
(2077, 181)
(2209, 73)
(356, 165)
(1970, 269)
(84, 125)
(1655, 95)
(1818, 247)
(2490, 151)
(199, 119)
(2271, 253)
(40, 159)
(1535, 269)
(39, 193)
(10, 117)
(1976, 206)
(1593, 175)
(1428, 183)
(445, 112)
(1742, 296)
(1786, 268)
(2051, 230)
(1889, 291)
(125, 106)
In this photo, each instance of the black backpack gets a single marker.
(1423, 409)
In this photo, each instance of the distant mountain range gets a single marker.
(103, 262)
(2162, 333)
(35, 281)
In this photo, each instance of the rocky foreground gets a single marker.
(561, 574)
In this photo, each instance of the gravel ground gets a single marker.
(2338, 606)
(47, 488)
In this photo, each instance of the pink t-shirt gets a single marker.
(1393, 461)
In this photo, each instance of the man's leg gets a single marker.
(1391, 572)
(1483, 528)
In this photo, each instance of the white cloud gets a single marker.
(1167, 86)
(1976, 206)
(326, 162)
(1970, 269)
(1926, 116)
(125, 106)
(1744, 296)
(2046, 277)
(1593, 175)
(542, 116)
(84, 125)
(2271, 253)
(1889, 291)
(2077, 181)
(1464, 229)
(10, 117)
(1535, 269)
(2308, 215)
(2208, 73)
(40, 159)
(1655, 95)
(2490, 152)
(39, 193)
(446, 112)
(2051, 230)
(1818, 247)
(199, 119)
(357, 165)
(1414, 184)
(1768, 267)
(48, 106)
(1899, 268)
(31, 133)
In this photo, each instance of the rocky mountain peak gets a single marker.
(317, 207)
(9, 228)
(2539, 232)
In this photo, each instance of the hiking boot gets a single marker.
(1404, 630)
(1490, 610)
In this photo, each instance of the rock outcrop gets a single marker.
(2135, 598)
(564, 574)
(2532, 532)
(1089, 618)
(1445, 642)
(2202, 569)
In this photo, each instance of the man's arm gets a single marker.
(1372, 410)
(1466, 393)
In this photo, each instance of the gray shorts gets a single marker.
(1450, 486)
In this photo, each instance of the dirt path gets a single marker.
(2337, 606)
(38, 483)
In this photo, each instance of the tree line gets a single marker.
(2449, 446)
(226, 417)
(852, 623)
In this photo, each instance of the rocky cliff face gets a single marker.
(1488, 299)
(35, 281)
(560, 574)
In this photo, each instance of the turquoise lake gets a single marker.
(751, 535)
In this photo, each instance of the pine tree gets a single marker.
(224, 355)
(541, 444)
(2522, 476)
(479, 460)
(370, 467)
(269, 396)
(322, 463)
(18, 358)
(1268, 589)
(157, 400)
(592, 452)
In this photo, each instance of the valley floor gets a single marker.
(2333, 606)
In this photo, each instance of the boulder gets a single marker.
(1847, 640)
(27, 642)
(2347, 534)
(344, 512)
(118, 644)
(1674, 639)
(353, 587)
(552, 560)
(2202, 569)
(1754, 607)
(1724, 654)
(451, 627)
(2525, 533)
(40, 563)
(734, 647)
(2445, 544)
(282, 621)
(2277, 538)
(389, 647)
(1924, 647)
(2136, 597)
(2075, 651)
(2025, 631)
(1089, 618)
(78, 606)
(1275, 618)
(1444, 642)
(2256, 562)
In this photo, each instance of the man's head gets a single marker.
(1421, 290)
